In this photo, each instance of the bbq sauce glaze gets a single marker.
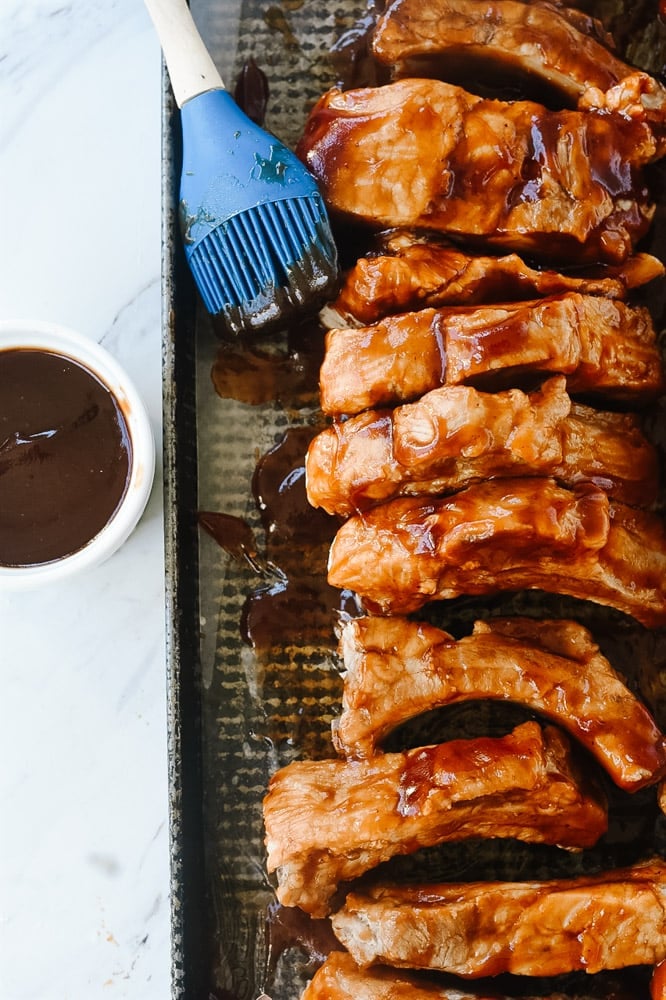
(65, 456)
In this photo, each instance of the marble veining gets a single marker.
(84, 882)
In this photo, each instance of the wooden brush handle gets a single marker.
(191, 69)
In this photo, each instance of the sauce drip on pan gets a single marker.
(295, 604)
(351, 56)
(301, 607)
(251, 91)
(258, 373)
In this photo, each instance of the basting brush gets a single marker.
(254, 225)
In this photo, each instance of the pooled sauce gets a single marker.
(278, 486)
(294, 604)
(232, 534)
(299, 608)
(288, 927)
(259, 373)
(65, 456)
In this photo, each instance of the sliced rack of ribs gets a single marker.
(419, 153)
(395, 669)
(330, 821)
(608, 921)
(605, 348)
(457, 435)
(504, 535)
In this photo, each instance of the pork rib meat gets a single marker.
(607, 921)
(504, 534)
(457, 435)
(396, 669)
(604, 348)
(331, 821)
(413, 274)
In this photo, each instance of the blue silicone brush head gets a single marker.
(255, 229)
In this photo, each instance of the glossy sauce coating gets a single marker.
(606, 921)
(329, 821)
(605, 348)
(421, 153)
(504, 535)
(65, 456)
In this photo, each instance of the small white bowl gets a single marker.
(89, 354)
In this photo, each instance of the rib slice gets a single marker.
(340, 978)
(420, 274)
(418, 153)
(604, 348)
(504, 534)
(330, 821)
(457, 435)
(506, 35)
(608, 921)
(395, 669)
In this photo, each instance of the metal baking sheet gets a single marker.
(237, 711)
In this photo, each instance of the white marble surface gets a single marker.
(83, 782)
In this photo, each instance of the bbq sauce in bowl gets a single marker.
(65, 456)
(77, 454)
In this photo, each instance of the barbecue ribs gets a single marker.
(561, 185)
(415, 274)
(330, 821)
(395, 669)
(504, 534)
(456, 435)
(506, 36)
(608, 921)
(605, 348)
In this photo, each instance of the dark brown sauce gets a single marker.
(351, 55)
(251, 91)
(235, 536)
(277, 20)
(294, 604)
(259, 373)
(65, 456)
(302, 607)
(288, 927)
(278, 486)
